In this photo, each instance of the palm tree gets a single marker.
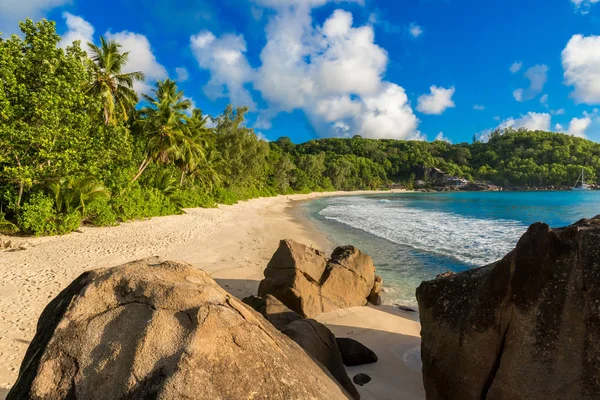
(164, 124)
(73, 194)
(115, 87)
(192, 148)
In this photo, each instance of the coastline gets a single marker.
(232, 243)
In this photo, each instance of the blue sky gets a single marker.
(395, 69)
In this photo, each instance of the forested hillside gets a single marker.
(77, 145)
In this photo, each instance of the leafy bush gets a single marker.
(39, 217)
(224, 196)
(190, 198)
(7, 227)
(138, 203)
(100, 213)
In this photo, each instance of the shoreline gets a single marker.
(232, 243)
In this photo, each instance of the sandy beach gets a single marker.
(233, 244)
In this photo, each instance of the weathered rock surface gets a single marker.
(273, 310)
(305, 281)
(318, 341)
(375, 295)
(355, 353)
(526, 327)
(162, 330)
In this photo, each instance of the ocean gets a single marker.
(415, 236)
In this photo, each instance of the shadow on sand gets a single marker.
(397, 374)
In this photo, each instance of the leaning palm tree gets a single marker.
(163, 123)
(110, 83)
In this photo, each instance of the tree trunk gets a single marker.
(20, 194)
(182, 176)
(141, 169)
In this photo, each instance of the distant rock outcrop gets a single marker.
(162, 330)
(308, 283)
(526, 327)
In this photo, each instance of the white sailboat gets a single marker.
(584, 186)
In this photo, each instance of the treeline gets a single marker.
(78, 145)
(510, 158)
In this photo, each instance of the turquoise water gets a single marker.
(415, 236)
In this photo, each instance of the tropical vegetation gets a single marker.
(77, 145)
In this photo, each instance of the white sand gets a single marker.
(232, 243)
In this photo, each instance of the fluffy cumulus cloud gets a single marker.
(78, 29)
(532, 122)
(333, 73)
(141, 58)
(581, 63)
(578, 126)
(537, 76)
(225, 58)
(13, 11)
(436, 102)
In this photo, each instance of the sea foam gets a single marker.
(472, 241)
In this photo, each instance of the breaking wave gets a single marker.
(471, 241)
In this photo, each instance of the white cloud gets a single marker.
(544, 100)
(559, 128)
(333, 73)
(437, 101)
(225, 58)
(440, 136)
(560, 111)
(415, 30)
(583, 6)
(78, 29)
(532, 122)
(478, 107)
(581, 63)
(537, 76)
(13, 11)
(182, 74)
(578, 126)
(141, 58)
(388, 115)
(516, 67)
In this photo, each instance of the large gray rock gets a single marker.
(526, 327)
(318, 341)
(162, 330)
(308, 283)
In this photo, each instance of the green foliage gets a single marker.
(72, 195)
(143, 202)
(39, 217)
(99, 212)
(225, 196)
